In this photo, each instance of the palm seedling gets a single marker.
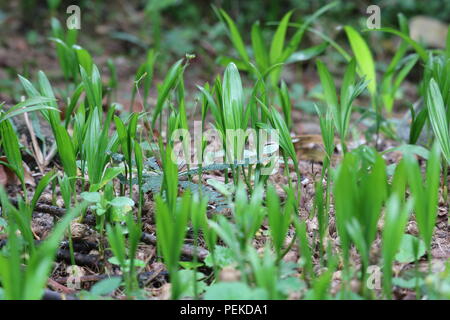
(305, 250)
(139, 159)
(385, 92)
(171, 227)
(357, 206)
(439, 118)
(127, 136)
(438, 107)
(265, 271)
(28, 283)
(248, 216)
(231, 115)
(396, 217)
(170, 82)
(64, 49)
(267, 61)
(287, 147)
(199, 221)
(341, 109)
(397, 70)
(425, 193)
(286, 105)
(126, 256)
(144, 77)
(322, 201)
(63, 142)
(11, 148)
(279, 219)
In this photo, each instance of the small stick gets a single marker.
(88, 260)
(58, 287)
(37, 151)
(187, 250)
(53, 295)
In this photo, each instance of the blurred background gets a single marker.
(124, 31)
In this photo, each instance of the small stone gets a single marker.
(230, 274)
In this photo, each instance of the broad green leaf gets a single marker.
(122, 202)
(411, 249)
(106, 286)
(93, 197)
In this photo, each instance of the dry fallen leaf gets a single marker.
(8, 177)
(309, 147)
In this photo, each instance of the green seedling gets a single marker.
(97, 147)
(395, 220)
(266, 272)
(248, 216)
(199, 221)
(170, 82)
(139, 160)
(279, 219)
(127, 136)
(341, 109)
(286, 106)
(11, 147)
(144, 75)
(66, 56)
(425, 193)
(171, 227)
(36, 103)
(28, 283)
(357, 206)
(438, 118)
(123, 256)
(268, 61)
(305, 250)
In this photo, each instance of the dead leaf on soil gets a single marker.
(8, 177)
(310, 147)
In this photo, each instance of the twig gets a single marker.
(88, 260)
(51, 154)
(88, 278)
(52, 295)
(59, 287)
(56, 211)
